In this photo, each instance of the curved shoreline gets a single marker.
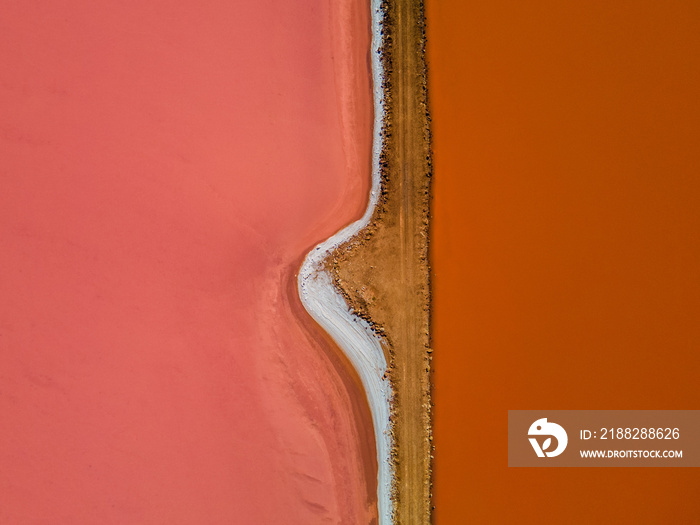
(327, 306)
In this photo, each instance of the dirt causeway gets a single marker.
(384, 274)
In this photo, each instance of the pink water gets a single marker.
(164, 168)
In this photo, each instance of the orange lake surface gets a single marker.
(565, 245)
(164, 168)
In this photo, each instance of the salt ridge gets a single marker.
(327, 306)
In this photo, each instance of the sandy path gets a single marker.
(384, 273)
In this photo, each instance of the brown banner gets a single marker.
(604, 438)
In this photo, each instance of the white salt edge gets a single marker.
(352, 334)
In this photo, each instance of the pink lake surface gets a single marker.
(164, 169)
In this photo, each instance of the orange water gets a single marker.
(566, 245)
